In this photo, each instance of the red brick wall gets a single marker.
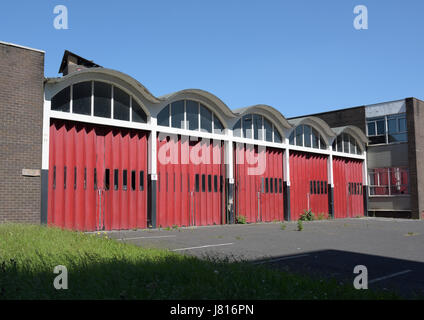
(21, 121)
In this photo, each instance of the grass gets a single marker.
(102, 268)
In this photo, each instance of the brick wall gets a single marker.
(21, 119)
(340, 118)
(415, 120)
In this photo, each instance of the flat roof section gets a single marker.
(19, 46)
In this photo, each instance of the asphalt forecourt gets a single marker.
(39, 262)
(391, 250)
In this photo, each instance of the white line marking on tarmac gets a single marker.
(152, 237)
(280, 259)
(207, 246)
(389, 276)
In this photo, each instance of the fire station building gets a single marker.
(95, 150)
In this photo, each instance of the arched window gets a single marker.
(190, 115)
(99, 99)
(307, 136)
(347, 144)
(256, 126)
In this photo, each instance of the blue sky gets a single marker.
(298, 56)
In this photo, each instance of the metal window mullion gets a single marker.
(198, 117)
(170, 117)
(71, 104)
(131, 108)
(185, 115)
(262, 128)
(386, 129)
(113, 102)
(241, 126)
(251, 128)
(388, 181)
(92, 98)
(213, 122)
(319, 140)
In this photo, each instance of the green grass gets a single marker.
(101, 268)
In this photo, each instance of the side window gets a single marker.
(124, 179)
(54, 177)
(115, 179)
(132, 180)
(203, 183)
(266, 185)
(281, 186)
(311, 190)
(276, 185)
(95, 179)
(107, 179)
(215, 183)
(75, 178)
(271, 185)
(197, 183)
(64, 177)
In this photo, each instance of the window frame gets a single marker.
(92, 101)
(313, 132)
(388, 187)
(386, 134)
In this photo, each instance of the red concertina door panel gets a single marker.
(190, 182)
(348, 197)
(258, 183)
(308, 184)
(97, 177)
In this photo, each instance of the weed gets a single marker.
(307, 215)
(299, 225)
(241, 219)
(321, 216)
(283, 226)
(410, 234)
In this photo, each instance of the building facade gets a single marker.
(395, 174)
(111, 155)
